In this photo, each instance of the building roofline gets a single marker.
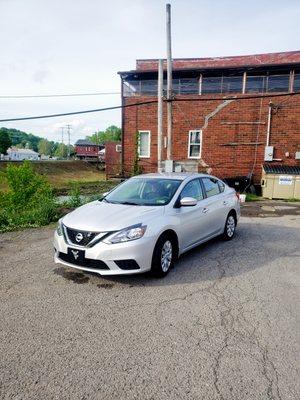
(263, 60)
(249, 66)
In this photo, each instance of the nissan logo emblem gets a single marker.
(79, 237)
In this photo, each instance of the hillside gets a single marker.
(61, 174)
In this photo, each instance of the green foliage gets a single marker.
(5, 141)
(29, 200)
(61, 151)
(137, 169)
(22, 139)
(45, 147)
(111, 134)
(75, 199)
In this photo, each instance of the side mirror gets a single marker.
(188, 202)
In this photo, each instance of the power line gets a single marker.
(78, 112)
(58, 95)
(234, 98)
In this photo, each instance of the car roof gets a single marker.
(171, 175)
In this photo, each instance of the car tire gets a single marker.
(163, 256)
(230, 227)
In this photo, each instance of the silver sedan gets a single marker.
(146, 223)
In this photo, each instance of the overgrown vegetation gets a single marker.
(29, 200)
(111, 134)
(136, 169)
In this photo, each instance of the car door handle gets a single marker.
(225, 202)
(205, 210)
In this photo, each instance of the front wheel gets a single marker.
(230, 226)
(163, 256)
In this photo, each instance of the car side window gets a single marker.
(211, 186)
(192, 189)
(221, 186)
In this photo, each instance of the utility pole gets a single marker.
(160, 113)
(97, 143)
(69, 127)
(169, 84)
(62, 134)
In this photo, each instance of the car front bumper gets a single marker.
(139, 252)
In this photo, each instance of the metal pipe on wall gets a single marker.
(160, 114)
(169, 84)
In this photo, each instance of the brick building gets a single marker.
(225, 138)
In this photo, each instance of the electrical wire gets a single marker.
(78, 112)
(235, 98)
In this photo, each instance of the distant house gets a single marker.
(15, 154)
(85, 149)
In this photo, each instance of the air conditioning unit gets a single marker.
(118, 148)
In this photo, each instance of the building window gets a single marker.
(195, 143)
(211, 85)
(144, 144)
(278, 83)
(222, 84)
(232, 84)
(256, 84)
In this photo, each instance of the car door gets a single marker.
(214, 204)
(193, 220)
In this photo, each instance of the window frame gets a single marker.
(149, 144)
(204, 190)
(195, 144)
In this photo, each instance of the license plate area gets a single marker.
(76, 256)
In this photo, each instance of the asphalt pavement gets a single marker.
(224, 324)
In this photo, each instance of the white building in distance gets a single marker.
(15, 154)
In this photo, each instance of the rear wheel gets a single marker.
(230, 226)
(163, 256)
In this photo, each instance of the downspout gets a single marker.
(269, 123)
(122, 127)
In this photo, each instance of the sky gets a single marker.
(78, 46)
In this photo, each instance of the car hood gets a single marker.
(103, 217)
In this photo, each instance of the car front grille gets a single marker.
(80, 238)
(87, 262)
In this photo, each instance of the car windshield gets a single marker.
(144, 191)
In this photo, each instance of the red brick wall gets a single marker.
(112, 160)
(224, 159)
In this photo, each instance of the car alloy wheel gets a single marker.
(166, 256)
(230, 226)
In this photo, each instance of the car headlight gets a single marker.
(59, 229)
(125, 235)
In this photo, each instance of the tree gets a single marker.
(61, 151)
(111, 134)
(5, 141)
(45, 147)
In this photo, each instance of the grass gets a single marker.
(61, 174)
(253, 197)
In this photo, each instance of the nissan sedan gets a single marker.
(146, 223)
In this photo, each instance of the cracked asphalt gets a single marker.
(224, 324)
